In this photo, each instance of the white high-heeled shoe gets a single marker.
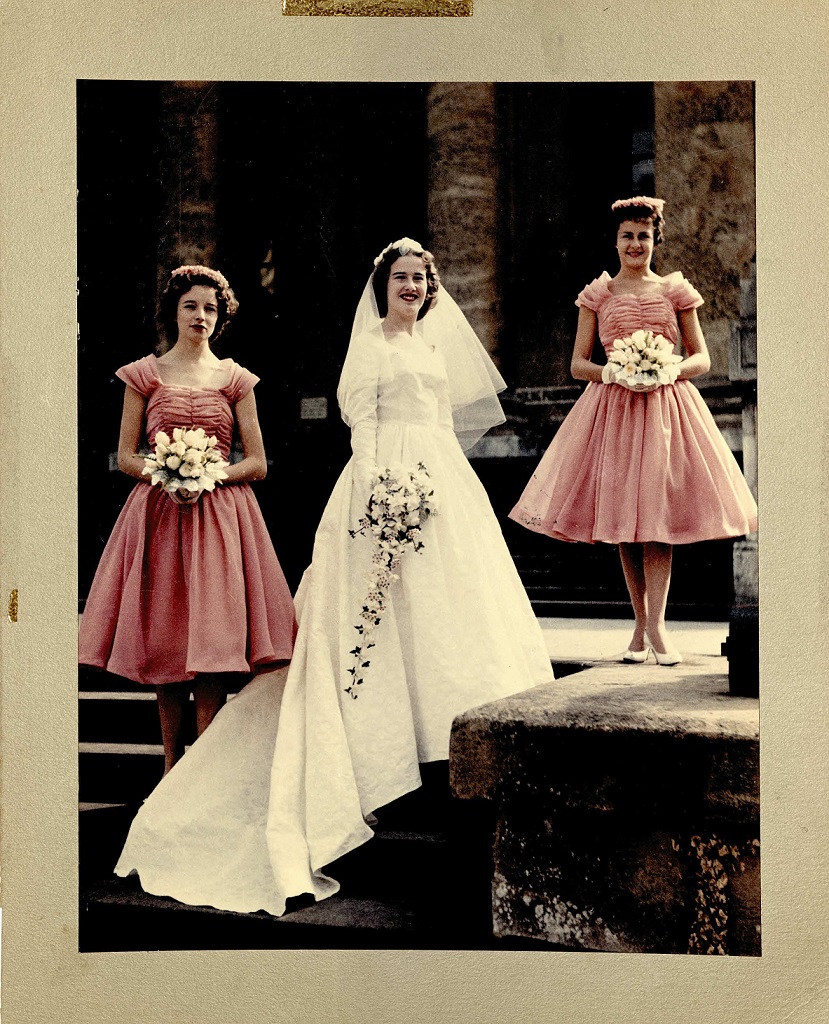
(635, 657)
(668, 658)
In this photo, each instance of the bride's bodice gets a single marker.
(418, 390)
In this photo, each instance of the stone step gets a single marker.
(118, 916)
(123, 717)
(120, 773)
(392, 861)
(404, 889)
(546, 606)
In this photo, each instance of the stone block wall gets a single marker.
(627, 809)
(704, 168)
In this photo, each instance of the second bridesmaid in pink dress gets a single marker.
(643, 466)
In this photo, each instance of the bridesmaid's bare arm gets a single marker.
(581, 365)
(698, 361)
(254, 465)
(129, 439)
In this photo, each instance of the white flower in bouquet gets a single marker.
(643, 358)
(190, 461)
(399, 504)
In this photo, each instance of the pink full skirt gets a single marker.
(630, 467)
(182, 590)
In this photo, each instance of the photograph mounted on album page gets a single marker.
(441, 524)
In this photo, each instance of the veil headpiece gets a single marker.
(474, 381)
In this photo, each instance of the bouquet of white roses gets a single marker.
(190, 460)
(400, 503)
(643, 358)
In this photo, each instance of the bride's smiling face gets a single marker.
(406, 291)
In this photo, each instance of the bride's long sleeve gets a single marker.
(363, 417)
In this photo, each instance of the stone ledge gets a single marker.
(602, 785)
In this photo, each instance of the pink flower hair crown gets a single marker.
(404, 246)
(190, 270)
(657, 205)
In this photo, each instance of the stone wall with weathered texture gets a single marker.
(627, 808)
(704, 169)
(463, 199)
(188, 174)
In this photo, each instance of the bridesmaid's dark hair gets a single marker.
(382, 271)
(179, 283)
(640, 212)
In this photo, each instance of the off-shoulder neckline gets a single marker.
(193, 387)
(669, 282)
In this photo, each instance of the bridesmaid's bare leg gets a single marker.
(209, 694)
(657, 566)
(172, 701)
(632, 556)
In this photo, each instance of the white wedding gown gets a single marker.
(279, 784)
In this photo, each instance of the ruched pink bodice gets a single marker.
(620, 315)
(174, 405)
(630, 467)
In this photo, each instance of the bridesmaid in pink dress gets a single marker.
(189, 587)
(641, 466)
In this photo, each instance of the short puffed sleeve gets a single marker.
(682, 293)
(594, 294)
(241, 382)
(141, 375)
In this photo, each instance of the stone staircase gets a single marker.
(583, 580)
(423, 882)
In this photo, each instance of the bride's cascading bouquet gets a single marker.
(643, 358)
(400, 503)
(190, 460)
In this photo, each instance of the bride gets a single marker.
(285, 778)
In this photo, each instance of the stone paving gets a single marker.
(596, 640)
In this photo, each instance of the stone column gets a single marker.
(463, 199)
(704, 170)
(187, 171)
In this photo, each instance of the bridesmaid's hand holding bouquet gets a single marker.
(641, 362)
(186, 465)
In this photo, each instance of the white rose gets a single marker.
(172, 462)
(196, 471)
(639, 339)
(616, 356)
(185, 470)
(162, 439)
(177, 433)
(645, 365)
(178, 448)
